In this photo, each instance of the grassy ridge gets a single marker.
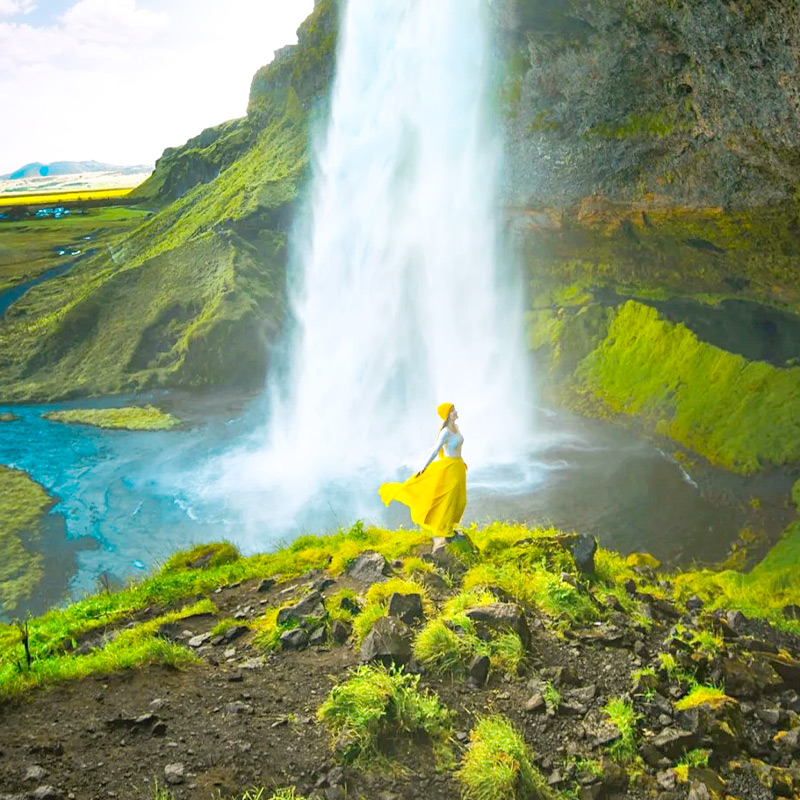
(737, 413)
(22, 502)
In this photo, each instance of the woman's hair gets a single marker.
(446, 419)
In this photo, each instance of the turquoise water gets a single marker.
(137, 497)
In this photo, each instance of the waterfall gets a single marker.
(401, 293)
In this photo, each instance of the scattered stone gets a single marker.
(737, 622)
(35, 773)
(666, 779)
(630, 586)
(584, 695)
(694, 604)
(791, 611)
(665, 610)
(751, 678)
(389, 642)
(582, 548)
(770, 715)
(788, 669)
(312, 605)
(350, 605)
(265, 585)
(199, 640)
(340, 631)
(295, 639)
(478, 671)
(318, 637)
(406, 607)
(498, 617)
(452, 553)
(238, 707)
(173, 773)
(322, 583)
(673, 742)
(788, 741)
(47, 793)
(252, 663)
(368, 568)
(462, 736)
(433, 582)
(708, 778)
(535, 702)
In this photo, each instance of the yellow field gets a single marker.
(53, 198)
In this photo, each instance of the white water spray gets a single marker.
(400, 296)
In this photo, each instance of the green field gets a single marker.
(29, 247)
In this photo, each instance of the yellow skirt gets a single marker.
(436, 498)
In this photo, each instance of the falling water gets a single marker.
(400, 295)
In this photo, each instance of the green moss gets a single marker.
(22, 503)
(739, 414)
(7, 416)
(497, 765)
(655, 124)
(703, 695)
(377, 704)
(131, 418)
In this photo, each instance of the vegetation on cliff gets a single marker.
(662, 667)
(22, 503)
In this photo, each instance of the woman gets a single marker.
(437, 494)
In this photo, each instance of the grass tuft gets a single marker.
(377, 703)
(497, 765)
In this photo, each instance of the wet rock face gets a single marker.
(621, 98)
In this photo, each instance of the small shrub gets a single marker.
(622, 715)
(377, 702)
(701, 694)
(497, 765)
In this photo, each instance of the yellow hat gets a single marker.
(443, 409)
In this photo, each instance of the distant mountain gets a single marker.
(37, 169)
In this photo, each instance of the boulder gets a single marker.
(312, 605)
(295, 639)
(389, 642)
(265, 585)
(173, 773)
(788, 741)
(452, 553)
(340, 631)
(788, 669)
(499, 617)
(406, 607)
(368, 568)
(433, 582)
(478, 671)
(673, 742)
(581, 547)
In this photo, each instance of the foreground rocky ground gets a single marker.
(714, 696)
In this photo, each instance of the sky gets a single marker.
(118, 81)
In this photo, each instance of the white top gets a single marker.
(451, 442)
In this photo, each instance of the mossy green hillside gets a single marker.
(192, 296)
(740, 414)
(132, 418)
(22, 503)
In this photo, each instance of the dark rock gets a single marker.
(234, 632)
(751, 678)
(368, 568)
(478, 671)
(47, 793)
(406, 607)
(771, 715)
(596, 791)
(312, 605)
(630, 586)
(756, 645)
(787, 668)
(582, 548)
(238, 707)
(433, 582)
(295, 639)
(535, 702)
(318, 637)
(499, 617)
(173, 773)
(791, 611)
(673, 742)
(653, 756)
(322, 583)
(788, 741)
(340, 631)
(265, 585)
(35, 773)
(694, 604)
(452, 553)
(389, 642)
(606, 633)
(737, 622)
(350, 605)
(583, 695)
(664, 610)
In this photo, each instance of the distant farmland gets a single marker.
(61, 197)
